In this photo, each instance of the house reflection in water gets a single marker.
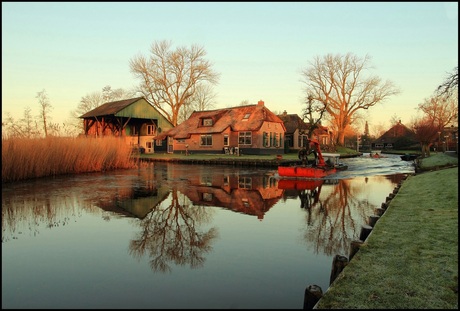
(247, 194)
(133, 197)
(137, 201)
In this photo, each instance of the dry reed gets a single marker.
(24, 158)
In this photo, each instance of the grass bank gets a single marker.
(410, 259)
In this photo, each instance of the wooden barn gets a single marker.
(134, 120)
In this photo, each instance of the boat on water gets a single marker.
(409, 157)
(376, 155)
(324, 164)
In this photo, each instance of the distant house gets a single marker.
(137, 121)
(448, 139)
(397, 137)
(295, 139)
(250, 129)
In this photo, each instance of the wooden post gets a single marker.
(365, 231)
(379, 211)
(373, 219)
(313, 294)
(337, 266)
(354, 248)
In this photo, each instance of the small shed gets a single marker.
(135, 119)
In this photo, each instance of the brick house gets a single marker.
(295, 127)
(135, 120)
(250, 129)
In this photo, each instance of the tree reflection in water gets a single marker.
(169, 234)
(334, 211)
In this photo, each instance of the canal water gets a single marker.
(184, 236)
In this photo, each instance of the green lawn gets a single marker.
(410, 259)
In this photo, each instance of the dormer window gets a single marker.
(207, 122)
(246, 116)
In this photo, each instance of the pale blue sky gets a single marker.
(71, 49)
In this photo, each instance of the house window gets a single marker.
(158, 142)
(246, 116)
(134, 130)
(150, 129)
(275, 140)
(206, 140)
(206, 180)
(207, 197)
(245, 138)
(226, 141)
(266, 140)
(245, 182)
(149, 144)
(207, 122)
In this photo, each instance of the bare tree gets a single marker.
(441, 111)
(450, 86)
(170, 78)
(394, 119)
(45, 108)
(91, 101)
(312, 114)
(379, 129)
(338, 83)
(11, 128)
(30, 125)
(110, 95)
(203, 99)
(426, 133)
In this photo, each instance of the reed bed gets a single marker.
(24, 158)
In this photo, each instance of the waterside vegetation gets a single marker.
(26, 158)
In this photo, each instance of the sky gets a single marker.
(72, 49)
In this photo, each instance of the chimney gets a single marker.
(284, 113)
(260, 103)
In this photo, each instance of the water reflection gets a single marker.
(335, 210)
(174, 216)
(170, 233)
(170, 202)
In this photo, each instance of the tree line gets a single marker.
(177, 81)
